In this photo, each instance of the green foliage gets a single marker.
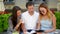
(57, 14)
(4, 22)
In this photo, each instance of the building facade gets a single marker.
(21, 3)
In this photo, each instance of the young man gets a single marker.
(29, 18)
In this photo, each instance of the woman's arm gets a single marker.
(18, 24)
(54, 24)
(10, 24)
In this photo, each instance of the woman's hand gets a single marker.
(47, 31)
(25, 32)
(39, 32)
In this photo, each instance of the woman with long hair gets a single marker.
(14, 19)
(47, 20)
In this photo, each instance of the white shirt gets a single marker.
(30, 21)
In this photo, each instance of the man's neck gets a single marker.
(31, 13)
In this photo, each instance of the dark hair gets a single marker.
(30, 3)
(14, 15)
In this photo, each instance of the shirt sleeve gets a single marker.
(10, 25)
(37, 18)
(22, 18)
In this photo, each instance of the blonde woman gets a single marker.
(47, 20)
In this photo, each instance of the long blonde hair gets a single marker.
(46, 7)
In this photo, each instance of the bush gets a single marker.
(57, 14)
(4, 22)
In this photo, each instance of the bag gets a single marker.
(39, 30)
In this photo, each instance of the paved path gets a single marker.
(57, 31)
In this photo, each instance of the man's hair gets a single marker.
(30, 3)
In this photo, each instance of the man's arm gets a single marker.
(23, 28)
(23, 25)
(38, 24)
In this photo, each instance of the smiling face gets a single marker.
(43, 10)
(18, 12)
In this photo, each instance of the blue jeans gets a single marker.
(27, 30)
(21, 32)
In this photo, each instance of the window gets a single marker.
(11, 0)
(44, 0)
(8, 0)
(37, 1)
(4, 0)
(30, 0)
(33, 0)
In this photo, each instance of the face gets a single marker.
(43, 10)
(18, 12)
(31, 8)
